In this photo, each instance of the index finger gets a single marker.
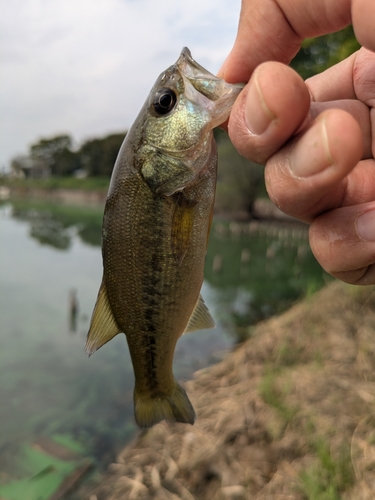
(273, 30)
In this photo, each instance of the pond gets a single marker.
(58, 405)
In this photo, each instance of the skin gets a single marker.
(316, 137)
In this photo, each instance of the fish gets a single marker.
(155, 231)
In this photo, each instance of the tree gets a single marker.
(56, 155)
(98, 156)
(318, 54)
(66, 163)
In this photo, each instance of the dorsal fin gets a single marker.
(200, 318)
(103, 325)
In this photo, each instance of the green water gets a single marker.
(49, 389)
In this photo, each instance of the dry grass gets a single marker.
(289, 415)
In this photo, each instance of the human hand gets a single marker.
(316, 138)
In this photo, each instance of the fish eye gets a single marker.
(164, 101)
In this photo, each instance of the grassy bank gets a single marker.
(289, 414)
(87, 184)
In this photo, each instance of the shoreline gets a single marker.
(288, 412)
(60, 195)
(264, 208)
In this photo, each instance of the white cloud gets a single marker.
(85, 66)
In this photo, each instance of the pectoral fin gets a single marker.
(182, 225)
(103, 325)
(201, 317)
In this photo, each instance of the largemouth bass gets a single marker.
(155, 231)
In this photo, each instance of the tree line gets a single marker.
(56, 157)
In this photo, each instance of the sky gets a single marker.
(85, 67)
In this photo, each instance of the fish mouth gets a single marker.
(212, 93)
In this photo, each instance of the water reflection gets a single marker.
(73, 310)
(268, 263)
(57, 225)
(50, 386)
(258, 270)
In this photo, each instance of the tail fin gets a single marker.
(174, 407)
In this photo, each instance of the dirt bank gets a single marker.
(288, 415)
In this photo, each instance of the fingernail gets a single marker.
(257, 115)
(365, 226)
(311, 154)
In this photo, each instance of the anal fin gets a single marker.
(200, 318)
(103, 325)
